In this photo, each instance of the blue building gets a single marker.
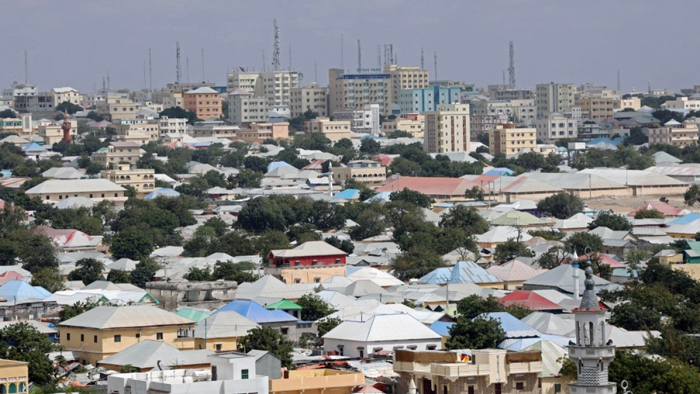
(427, 99)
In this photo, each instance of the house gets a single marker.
(530, 300)
(286, 323)
(691, 253)
(310, 262)
(549, 323)
(440, 189)
(484, 371)
(323, 380)
(462, 272)
(19, 291)
(664, 208)
(220, 331)
(360, 339)
(107, 330)
(514, 273)
(149, 354)
(70, 240)
(54, 190)
(230, 373)
(500, 234)
(562, 279)
(14, 376)
(290, 307)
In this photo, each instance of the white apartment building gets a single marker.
(172, 125)
(139, 131)
(309, 98)
(556, 126)
(354, 91)
(447, 129)
(275, 86)
(213, 129)
(519, 111)
(365, 121)
(64, 94)
(246, 108)
(682, 103)
(554, 97)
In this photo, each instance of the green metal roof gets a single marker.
(192, 314)
(284, 305)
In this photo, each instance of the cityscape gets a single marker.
(392, 197)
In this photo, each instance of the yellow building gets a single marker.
(353, 91)
(117, 107)
(410, 123)
(106, 330)
(13, 376)
(311, 97)
(675, 133)
(508, 139)
(204, 101)
(52, 132)
(220, 331)
(54, 190)
(143, 180)
(447, 130)
(368, 172)
(139, 131)
(116, 153)
(403, 77)
(334, 130)
(317, 381)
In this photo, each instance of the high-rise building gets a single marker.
(366, 121)
(403, 77)
(554, 97)
(275, 86)
(509, 140)
(427, 99)
(354, 91)
(204, 101)
(312, 98)
(447, 129)
(245, 108)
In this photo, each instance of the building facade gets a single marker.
(245, 108)
(311, 97)
(367, 172)
(14, 376)
(364, 121)
(403, 77)
(172, 126)
(354, 91)
(61, 95)
(116, 153)
(508, 139)
(52, 133)
(310, 262)
(554, 97)
(447, 129)
(675, 133)
(410, 123)
(213, 129)
(204, 101)
(117, 107)
(143, 180)
(556, 126)
(427, 99)
(275, 86)
(55, 190)
(138, 131)
(334, 130)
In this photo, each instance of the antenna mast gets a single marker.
(263, 66)
(150, 71)
(187, 67)
(204, 78)
(144, 75)
(379, 56)
(359, 55)
(290, 57)
(436, 69)
(26, 68)
(178, 70)
(276, 48)
(511, 67)
(315, 72)
(618, 80)
(422, 59)
(342, 61)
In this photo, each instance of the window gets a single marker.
(117, 338)
(67, 336)
(218, 347)
(557, 387)
(95, 339)
(244, 374)
(82, 337)
(284, 330)
(497, 388)
(520, 385)
(159, 336)
(470, 390)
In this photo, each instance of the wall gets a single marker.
(350, 349)
(318, 380)
(30, 310)
(193, 294)
(226, 343)
(311, 274)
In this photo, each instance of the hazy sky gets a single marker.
(76, 42)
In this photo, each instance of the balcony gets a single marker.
(531, 367)
(458, 370)
(591, 352)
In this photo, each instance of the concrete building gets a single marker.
(52, 133)
(172, 126)
(230, 373)
(310, 262)
(364, 121)
(554, 97)
(61, 95)
(143, 180)
(447, 129)
(317, 381)
(354, 91)
(555, 126)
(204, 101)
(244, 108)
(410, 123)
(54, 190)
(427, 99)
(508, 139)
(484, 371)
(403, 77)
(138, 131)
(14, 376)
(367, 172)
(600, 105)
(634, 103)
(505, 92)
(116, 153)
(117, 107)
(485, 112)
(682, 103)
(275, 86)
(675, 133)
(334, 130)
(311, 97)
(213, 129)
(260, 132)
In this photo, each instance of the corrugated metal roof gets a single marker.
(106, 317)
(255, 312)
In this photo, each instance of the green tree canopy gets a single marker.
(612, 221)
(23, 342)
(511, 249)
(313, 307)
(648, 214)
(561, 205)
(479, 333)
(416, 263)
(87, 271)
(271, 340)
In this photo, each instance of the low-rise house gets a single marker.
(70, 240)
(107, 330)
(251, 310)
(530, 300)
(514, 273)
(53, 191)
(117, 153)
(441, 189)
(221, 331)
(462, 272)
(149, 354)
(317, 380)
(142, 179)
(310, 262)
(367, 172)
(14, 376)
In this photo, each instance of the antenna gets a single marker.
(511, 66)
(436, 69)
(187, 66)
(359, 55)
(204, 77)
(104, 86)
(315, 72)
(504, 77)
(276, 48)
(379, 56)
(144, 75)
(263, 67)
(178, 71)
(618, 80)
(422, 59)
(290, 57)
(26, 68)
(150, 71)
(342, 61)
(108, 82)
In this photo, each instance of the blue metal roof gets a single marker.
(348, 194)
(18, 290)
(257, 313)
(276, 164)
(462, 272)
(513, 327)
(442, 328)
(499, 171)
(691, 217)
(165, 192)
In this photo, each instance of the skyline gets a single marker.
(554, 42)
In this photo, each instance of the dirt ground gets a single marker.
(627, 204)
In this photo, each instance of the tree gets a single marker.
(8, 113)
(552, 258)
(400, 134)
(196, 274)
(23, 342)
(49, 279)
(262, 214)
(69, 107)
(636, 137)
(648, 214)
(474, 306)
(239, 272)
(270, 339)
(345, 245)
(87, 271)
(465, 218)
(135, 242)
(478, 333)
(692, 195)
(635, 317)
(413, 197)
(254, 163)
(70, 311)
(247, 179)
(130, 192)
(326, 325)
(581, 241)
(144, 272)
(177, 112)
(128, 368)
(511, 249)
(119, 276)
(417, 262)
(313, 307)
(370, 146)
(475, 193)
(561, 205)
(612, 221)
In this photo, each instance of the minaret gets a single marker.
(591, 353)
(574, 264)
(66, 128)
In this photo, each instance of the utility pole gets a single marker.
(204, 77)
(187, 67)
(144, 75)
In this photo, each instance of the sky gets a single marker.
(77, 43)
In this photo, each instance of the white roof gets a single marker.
(311, 248)
(514, 270)
(104, 317)
(397, 327)
(75, 186)
(381, 278)
(224, 324)
(202, 90)
(502, 234)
